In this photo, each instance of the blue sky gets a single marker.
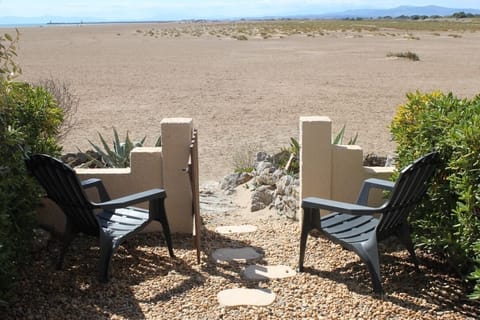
(192, 9)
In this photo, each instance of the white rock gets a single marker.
(259, 272)
(243, 296)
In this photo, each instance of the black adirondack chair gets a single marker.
(112, 221)
(358, 227)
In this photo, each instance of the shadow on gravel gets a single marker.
(74, 292)
(403, 285)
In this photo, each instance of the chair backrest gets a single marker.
(410, 187)
(63, 187)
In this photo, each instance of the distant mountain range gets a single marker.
(396, 12)
(360, 13)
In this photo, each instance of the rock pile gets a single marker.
(272, 187)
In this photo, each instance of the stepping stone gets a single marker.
(235, 254)
(245, 297)
(236, 229)
(258, 272)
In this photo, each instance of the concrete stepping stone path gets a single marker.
(235, 254)
(243, 296)
(236, 229)
(259, 272)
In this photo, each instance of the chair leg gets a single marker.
(403, 234)
(67, 239)
(158, 206)
(303, 245)
(106, 252)
(311, 217)
(368, 252)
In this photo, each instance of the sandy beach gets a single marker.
(242, 93)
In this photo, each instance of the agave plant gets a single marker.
(119, 157)
(339, 137)
(288, 158)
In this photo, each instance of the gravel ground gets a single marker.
(147, 284)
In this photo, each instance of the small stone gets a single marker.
(261, 198)
(229, 181)
(264, 167)
(243, 296)
(262, 156)
(259, 272)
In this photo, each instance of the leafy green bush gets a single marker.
(29, 122)
(9, 69)
(448, 221)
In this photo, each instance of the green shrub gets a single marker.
(407, 55)
(240, 37)
(29, 122)
(288, 158)
(9, 69)
(447, 222)
(244, 158)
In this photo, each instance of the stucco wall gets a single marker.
(161, 167)
(333, 171)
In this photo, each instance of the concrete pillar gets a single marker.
(315, 157)
(176, 139)
(347, 172)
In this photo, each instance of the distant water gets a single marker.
(23, 25)
(52, 24)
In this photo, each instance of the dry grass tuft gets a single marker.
(407, 55)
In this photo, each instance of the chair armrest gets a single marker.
(97, 183)
(339, 206)
(126, 201)
(93, 182)
(373, 183)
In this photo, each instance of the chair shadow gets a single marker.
(76, 290)
(229, 270)
(404, 285)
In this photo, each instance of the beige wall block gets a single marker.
(145, 173)
(150, 168)
(333, 171)
(315, 158)
(347, 172)
(176, 139)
